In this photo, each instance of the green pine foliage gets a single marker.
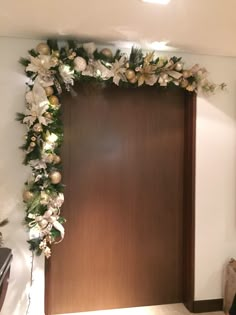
(136, 58)
(39, 151)
(24, 62)
(53, 44)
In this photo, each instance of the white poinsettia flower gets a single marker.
(102, 71)
(42, 65)
(38, 164)
(37, 95)
(118, 69)
(96, 69)
(38, 101)
(174, 74)
(67, 74)
(29, 97)
(89, 71)
(36, 112)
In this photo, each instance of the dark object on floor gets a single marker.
(232, 310)
(5, 264)
(2, 223)
(230, 288)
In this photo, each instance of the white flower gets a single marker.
(174, 74)
(35, 112)
(67, 74)
(118, 69)
(47, 252)
(29, 96)
(57, 201)
(42, 65)
(38, 164)
(96, 69)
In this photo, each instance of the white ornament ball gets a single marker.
(43, 49)
(80, 64)
(178, 66)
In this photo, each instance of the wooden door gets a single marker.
(123, 160)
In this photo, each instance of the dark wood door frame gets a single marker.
(189, 200)
(189, 209)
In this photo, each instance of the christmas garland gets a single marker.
(51, 71)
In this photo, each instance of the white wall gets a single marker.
(215, 178)
(12, 176)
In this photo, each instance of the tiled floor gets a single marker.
(173, 309)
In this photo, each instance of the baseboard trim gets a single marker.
(204, 306)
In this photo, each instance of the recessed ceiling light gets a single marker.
(157, 1)
(158, 45)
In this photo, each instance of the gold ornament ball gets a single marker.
(27, 195)
(130, 74)
(56, 159)
(48, 115)
(37, 128)
(49, 90)
(43, 223)
(56, 53)
(107, 52)
(33, 138)
(43, 49)
(184, 83)
(134, 80)
(50, 158)
(54, 61)
(54, 100)
(32, 144)
(55, 177)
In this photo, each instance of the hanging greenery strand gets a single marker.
(51, 71)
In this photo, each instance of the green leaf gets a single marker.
(72, 44)
(24, 62)
(52, 43)
(33, 53)
(136, 57)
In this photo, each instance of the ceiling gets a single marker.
(199, 26)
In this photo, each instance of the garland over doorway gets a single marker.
(52, 71)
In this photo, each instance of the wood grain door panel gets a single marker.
(123, 160)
